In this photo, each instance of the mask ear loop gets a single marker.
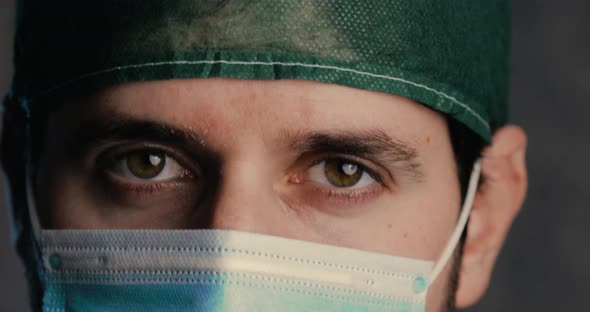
(34, 218)
(32, 209)
(465, 212)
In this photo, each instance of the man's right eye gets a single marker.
(147, 165)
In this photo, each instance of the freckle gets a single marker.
(406, 235)
(389, 226)
(427, 139)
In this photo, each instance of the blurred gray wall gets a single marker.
(13, 293)
(545, 263)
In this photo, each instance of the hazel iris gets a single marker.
(342, 173)
(146, 164)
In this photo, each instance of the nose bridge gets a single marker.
(246, 200)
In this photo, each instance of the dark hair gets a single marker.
(467, 147)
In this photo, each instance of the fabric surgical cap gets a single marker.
(451, 55)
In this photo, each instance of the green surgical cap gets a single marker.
(451, 55)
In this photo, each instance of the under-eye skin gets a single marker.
(138, 183)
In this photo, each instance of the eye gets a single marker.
(341, 173)
(148, 165)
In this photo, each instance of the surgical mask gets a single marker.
(220, 270)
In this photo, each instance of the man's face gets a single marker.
(298, 159)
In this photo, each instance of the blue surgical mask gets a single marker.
(219, 270)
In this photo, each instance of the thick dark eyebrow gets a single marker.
(373, 144)
(123, 128)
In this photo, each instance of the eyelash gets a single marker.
(145, 188)
(347, 197)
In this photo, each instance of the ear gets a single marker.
(496, 204)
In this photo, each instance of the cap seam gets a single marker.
(272, 63)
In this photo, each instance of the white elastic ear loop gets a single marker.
(465, 211)
(34, 218)
(30, 194)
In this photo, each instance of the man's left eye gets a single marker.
(341, 173)
(148, 165)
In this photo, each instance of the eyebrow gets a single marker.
(125, 128)
(373, 144)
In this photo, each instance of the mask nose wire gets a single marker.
(456, 235)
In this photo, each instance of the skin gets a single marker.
(242, 172)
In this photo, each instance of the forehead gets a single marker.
(217, 106)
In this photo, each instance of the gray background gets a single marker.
(545, 265)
